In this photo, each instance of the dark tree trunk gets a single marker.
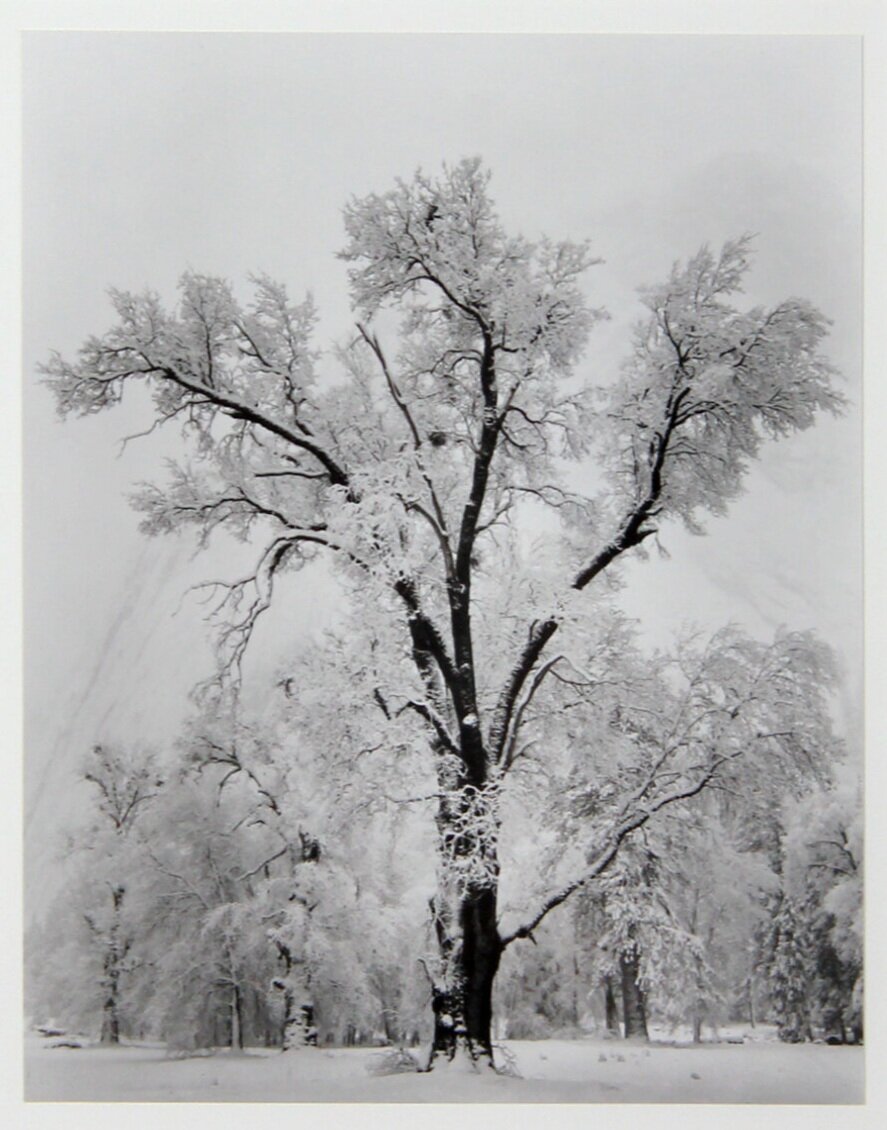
(470, 947)
(236, 1019)
(110, 1016)
(576, 1018)
(633, 1010)
(289, 1036)
(114, 954)
(393, 1035)
(611, 1007)
(446, 1005)
(463, 1001)
(481, 953)
(306, 1018)
(110, 1023)
(751, 1000)
(298, 1023)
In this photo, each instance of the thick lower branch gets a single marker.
(337, 476)
(630, 535)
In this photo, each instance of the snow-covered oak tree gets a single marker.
(208, 949)
(687, 918)
(86, 961)
(298, 896)
(416, 471)
(126, 781)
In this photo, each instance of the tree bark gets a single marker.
(110, 1015)
(574, 996)
(236, 1019)
(481, 953)
(462, 999)
(393, 1034)
(298, 1030)
(110, 1023)
(114, 954)
(291, 1035)
(611, 1008)
(633, 1009)
(463, 1011)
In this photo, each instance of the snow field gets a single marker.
(571, 1071)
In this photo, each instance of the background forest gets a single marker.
(208, 895)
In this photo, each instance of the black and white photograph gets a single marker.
(443, 568)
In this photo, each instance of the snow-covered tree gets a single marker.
(792, 970)
(207, 946)
(415, 470)
(823, 883)
(670, 922)
(342, 907)
(714, 897)
(90, 932)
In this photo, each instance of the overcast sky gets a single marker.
(146, 154)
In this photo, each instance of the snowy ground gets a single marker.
(573, 1071)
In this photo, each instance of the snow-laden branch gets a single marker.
(505, 742)
(610, 849)
(435, 722)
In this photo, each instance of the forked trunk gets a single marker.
(633, 1010)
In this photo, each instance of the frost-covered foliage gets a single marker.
(234, 916)
(83, 957)
(791, 971)
(303, 910)
(642, 735)
(822, 902)
(688, 908)
(707, 383)
(481, 671)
